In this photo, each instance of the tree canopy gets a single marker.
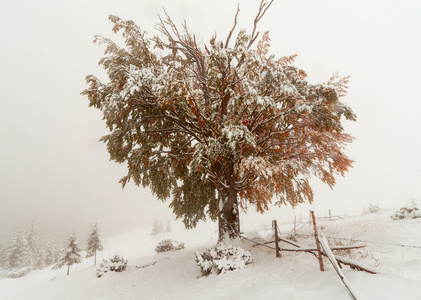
(220, 125)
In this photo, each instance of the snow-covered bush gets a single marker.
(115, 264)
(222, 258)
(168, 245)
(17, 273)
(407, 213)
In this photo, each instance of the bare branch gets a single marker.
(262, 10)
(233, 27)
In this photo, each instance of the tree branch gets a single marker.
(233, 27)
(262, 10)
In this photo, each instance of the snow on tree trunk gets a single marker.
(228, 219)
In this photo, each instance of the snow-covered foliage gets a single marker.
(222, 258)
(168, 245)
(114, 264)
(407, 213)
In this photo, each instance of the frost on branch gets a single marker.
(222, 258)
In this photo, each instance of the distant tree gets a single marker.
(220, 126)
(94, 243)
(38, 256)
(35, 250)
(31, 236)
(52, 254)
(2, 254)
(168, 227)
(160, 227)
(70, 254)
(18, 253)
(156, 228)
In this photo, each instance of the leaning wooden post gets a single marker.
(317, 242)
(275, 227)
(332, 259)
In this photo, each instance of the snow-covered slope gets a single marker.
(174, 275)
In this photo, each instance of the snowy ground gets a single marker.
(174, 275)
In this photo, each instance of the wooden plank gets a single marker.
(338, 270)
(290, 242)
(355, 264)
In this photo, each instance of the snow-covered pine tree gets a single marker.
(94, 243)
(218, 126)
(70, 254)
(18, 253)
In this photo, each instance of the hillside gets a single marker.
(174, 275)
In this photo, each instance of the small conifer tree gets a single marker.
(94, 243)
(70, 254)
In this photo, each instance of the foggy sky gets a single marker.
(52, 168)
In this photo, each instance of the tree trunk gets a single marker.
(95, 259)
(229, 218)
(68, 269)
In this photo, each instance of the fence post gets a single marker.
(316, 236)
(275, 226)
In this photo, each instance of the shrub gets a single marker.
(373, 208)
(168, 245)
(407, 213)
(18, 273)
(222, 258)
(115, 264)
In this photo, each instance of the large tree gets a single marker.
(217, 126)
